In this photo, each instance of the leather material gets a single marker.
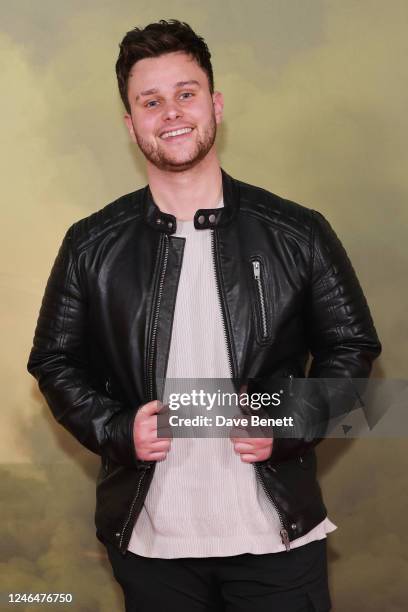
(103, 334)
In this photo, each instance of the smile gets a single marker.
(174, 133)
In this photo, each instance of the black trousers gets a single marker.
(294, 581)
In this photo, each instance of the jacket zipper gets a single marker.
(163, 257)
(139, 485)
(221, 301)
(283, 531)
(257, 272)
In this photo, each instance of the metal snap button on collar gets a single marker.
(201, 219)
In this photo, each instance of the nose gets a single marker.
(171, 111)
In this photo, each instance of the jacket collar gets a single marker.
(204, 218)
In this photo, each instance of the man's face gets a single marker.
(169, 93)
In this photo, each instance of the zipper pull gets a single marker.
(257, 270)
(285, 539)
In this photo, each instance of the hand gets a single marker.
(148, 446)
(253, 449)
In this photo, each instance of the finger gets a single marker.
(162, 422)
(243, 439)
(240, 447)
(145, 431)
(152, 436)
(158, 445)
(237, 433)
(259, 442)
(155, 423)
(165, 410)
(264, 454)
(150, 408)
(254, 432)
(145, 437)
(154, 427)
(150, 424)
(249, 458)
(159, 456)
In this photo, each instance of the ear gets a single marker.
(218, 102)
(129, 124)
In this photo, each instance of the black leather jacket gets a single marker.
(101, 344)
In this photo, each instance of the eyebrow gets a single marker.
(149, 92)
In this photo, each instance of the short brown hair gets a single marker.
(157, 39)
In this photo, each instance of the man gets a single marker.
(198, 275)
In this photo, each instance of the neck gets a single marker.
(182, 193)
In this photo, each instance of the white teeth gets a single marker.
(177, 132)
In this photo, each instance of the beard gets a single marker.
(166, 160)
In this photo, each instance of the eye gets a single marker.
(153, 103)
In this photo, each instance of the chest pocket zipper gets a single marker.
(260, 290)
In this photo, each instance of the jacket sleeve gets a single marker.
(341, 338)
(58, 360)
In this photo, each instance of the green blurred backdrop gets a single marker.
(316, 99)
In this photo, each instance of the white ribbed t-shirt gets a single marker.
(203, 500)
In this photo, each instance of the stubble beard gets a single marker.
(165, 161)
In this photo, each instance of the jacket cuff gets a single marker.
(120, 442)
